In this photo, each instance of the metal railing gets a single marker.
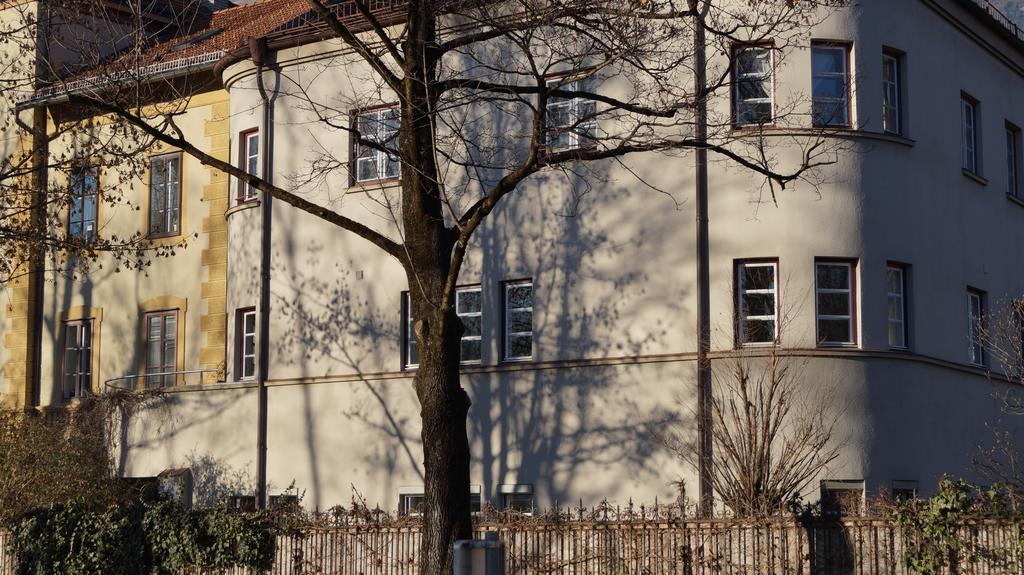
(997, 15)
(130, 382)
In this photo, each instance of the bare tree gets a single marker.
(456, 67)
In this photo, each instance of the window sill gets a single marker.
(833, 132)
(1015, 200)
(972, 176)
(382, 184)
(840, 345)
(241, 207)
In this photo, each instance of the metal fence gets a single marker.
(646, 547)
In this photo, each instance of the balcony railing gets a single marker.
(997, 15)
(157, 380)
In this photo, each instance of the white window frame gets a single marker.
(405, 496)
(507, 312)
(251, 163)
(847, 81)
(379, 157)
(581, 133)
(409, 335)
(243, 336)
(849, 291)
(1013, 160)
(169, 212)
(741, 268)
(969, 133)
(899, 323)
(975, 346)
(82, 372)
(506, 491)
(892, 93)
(83, 185)
(740, 78)
(477, 314)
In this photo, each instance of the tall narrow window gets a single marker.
(830, 85)
(245, 343)
(248, 160)
(757, 302)
(373, 160)
(469, 308)
(571, 123)
(892, 105)
(83, 186)
(77, 361)
(1013, 160)
(975, 326)
(165, 195)
(518, 344)
(410, 350)
(969, 133)
(753, 78)
(161, 348)
(896, 297)
(835, 302)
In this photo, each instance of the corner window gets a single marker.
(830, 85)
(245, 343)
(248, 161)
(83, 187)
(975, 327)
(161, 348)
(896, 300)
(77, 360)
(1013, 160)
(380, 127)
(834, 295)
(892, 93)
(468, 306)
(753, 78)
(517, 497)
(969, 133)
(757, 302)
(570, 123)
(518, 320)
(165, 195)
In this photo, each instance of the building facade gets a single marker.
(580, 342)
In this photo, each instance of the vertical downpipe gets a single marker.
(258, 50)
(704, 423)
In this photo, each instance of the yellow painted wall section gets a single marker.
(215, 257)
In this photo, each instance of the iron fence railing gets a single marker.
(179, 377)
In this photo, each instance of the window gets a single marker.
(381, 128)
(517, 497)
(753, 71)
(892, 96)
(469, 309)
(410, 349)
(896, 298)
(842, 497)
(518, 344)
(249, 161)
(1013, 160)
(165, 195)
(245, 343)
(830, 85)
(77, 362)
(161, 348)
(969, 134)
(975, 326)
(571, 122)
(904, 490)
(835, 302)
(757, 302)
(242, 503)
(83, 186)
(410, 502)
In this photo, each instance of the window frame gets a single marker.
(408, 336)
(73, 185)
(1013, 161)
(897, 58)
(506, 311)
(573, 130)
(83, 352)
(240, 337)
(480, 314)
(354, 145)
(176, 313)
(843, 485)
(975, 345)
(736, 100)
(506, 491)
(847, 49)
(852, 290)
(904, 271)
(168, 157)
(246, 192)
(738, 266)
(968, 102)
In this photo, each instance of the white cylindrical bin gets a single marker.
(479, 556)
